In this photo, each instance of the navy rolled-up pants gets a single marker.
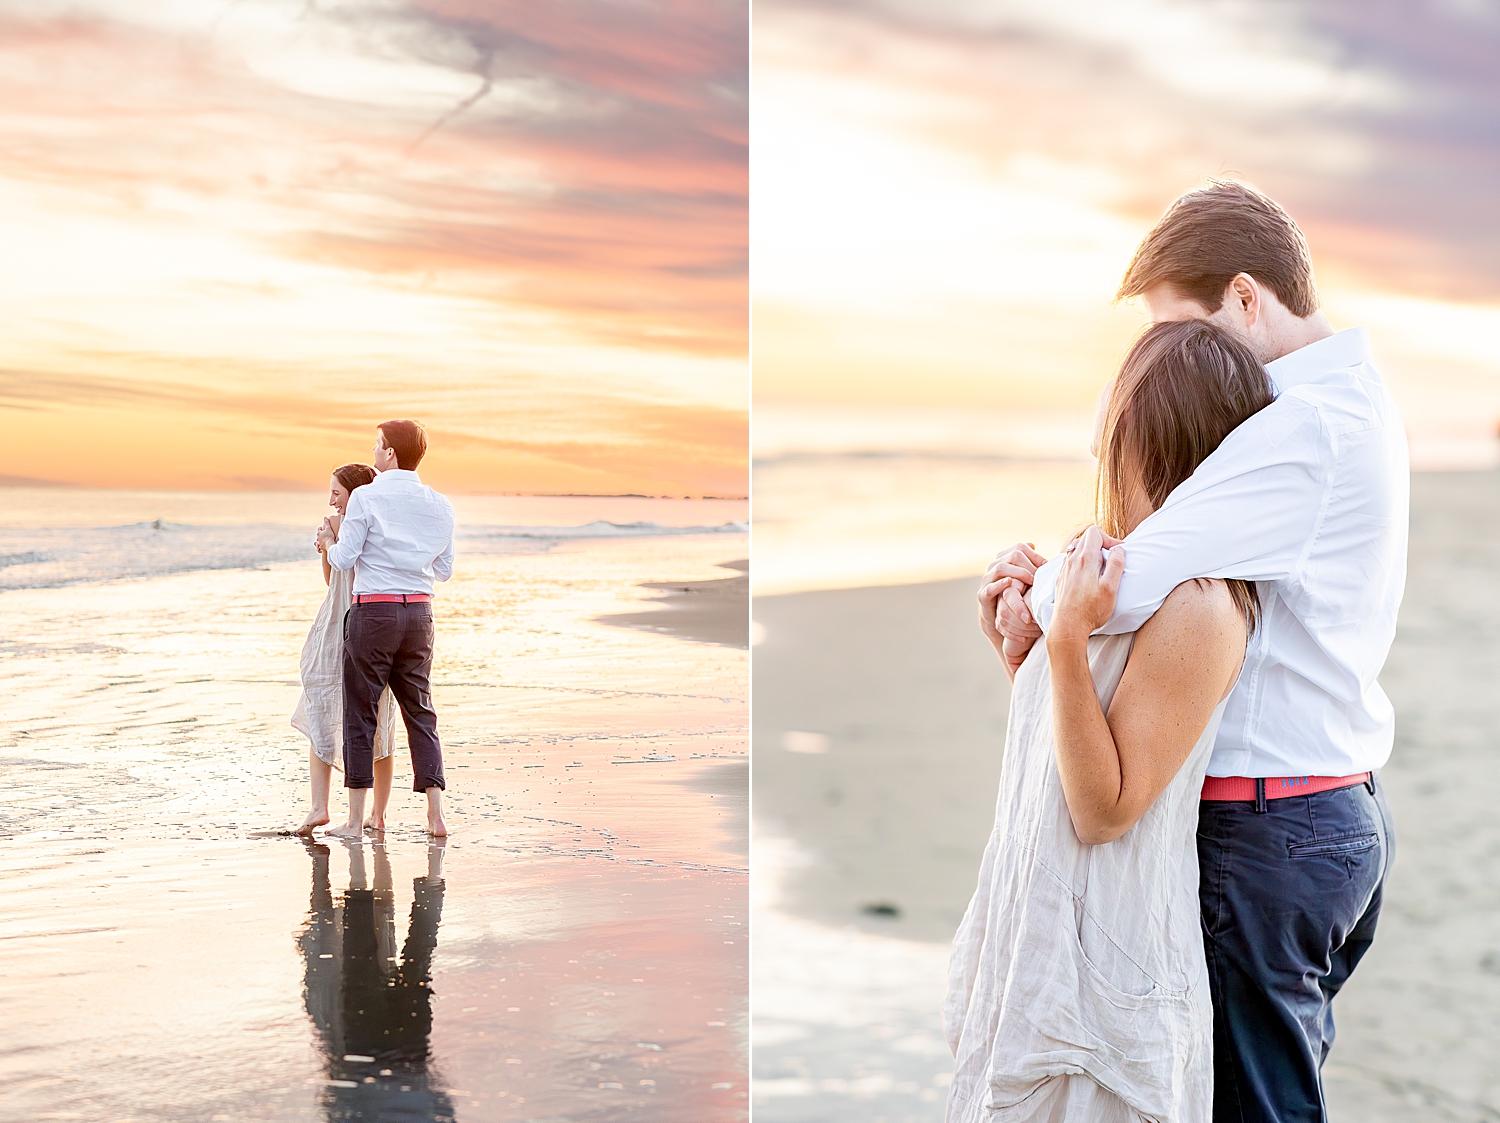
(390, 643)
(1290, 896)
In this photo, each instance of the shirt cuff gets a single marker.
(1044, 591)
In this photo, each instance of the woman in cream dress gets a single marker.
(320, 710)
(1078, 988)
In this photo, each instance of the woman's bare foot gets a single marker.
(384, 770)
(315, 818)
(348, 829)
(321, 774)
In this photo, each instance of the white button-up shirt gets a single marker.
(398, 535)
(1308, 498)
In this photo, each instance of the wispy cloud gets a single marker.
(468, 200)
(947, 191)
(1376, 124)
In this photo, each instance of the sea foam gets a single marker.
(47, 557)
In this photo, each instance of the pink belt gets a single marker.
(1243, 788)
(391, 598)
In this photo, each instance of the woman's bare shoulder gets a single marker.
(1195, 642)
(1203, 600)
(1199, 618)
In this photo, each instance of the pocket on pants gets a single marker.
(1337, 847)
(363, 615)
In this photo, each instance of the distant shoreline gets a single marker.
(27, 482)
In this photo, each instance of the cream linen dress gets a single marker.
(1078, 989)
(320, 711)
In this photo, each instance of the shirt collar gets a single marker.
(395, 474)
(1316, 361)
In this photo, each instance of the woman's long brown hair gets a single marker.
(1181, 390)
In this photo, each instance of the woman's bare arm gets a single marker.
(332, 523)
(1184, 661)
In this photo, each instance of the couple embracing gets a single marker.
(370, 648)
(1190, 842)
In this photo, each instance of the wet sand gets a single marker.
(907, 704)
(891, 815)
(576, 950)
(715, 611)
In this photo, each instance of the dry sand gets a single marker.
(893, 816)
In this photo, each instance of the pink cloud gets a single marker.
(620, 202)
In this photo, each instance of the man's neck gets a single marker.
(1296, 333)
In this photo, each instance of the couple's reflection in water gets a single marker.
(372, 1006)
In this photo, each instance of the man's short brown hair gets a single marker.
(408, 440)
(1209, 236)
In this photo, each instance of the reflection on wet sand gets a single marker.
(591, 967)
(373, 1010)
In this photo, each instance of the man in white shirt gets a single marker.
(397, 533)
(1309, 499)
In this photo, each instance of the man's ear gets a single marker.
(1245, 293)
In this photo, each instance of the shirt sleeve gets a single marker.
(353, 531)
(442, 565)
(1249, 511)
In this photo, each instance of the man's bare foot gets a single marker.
(375, 822)
(315, 818)
(354, 826)
(436, 827)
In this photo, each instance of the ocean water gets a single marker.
(61, 537)
(852, 498)
(576, 950)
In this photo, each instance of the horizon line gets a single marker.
(26, 482)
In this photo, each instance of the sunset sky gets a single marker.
(946, 192)
(237, 235)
